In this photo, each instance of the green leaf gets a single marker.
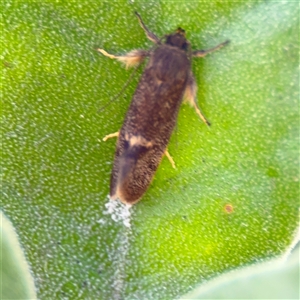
(274, 279)
(233, 199)
(16, 279)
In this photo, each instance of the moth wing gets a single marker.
(135, 169)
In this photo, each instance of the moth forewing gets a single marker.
(152, 114)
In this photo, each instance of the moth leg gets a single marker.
(151, 36)
(167, 154)
(115, 134)
(190, 96)
(202, 53)
(130, 59)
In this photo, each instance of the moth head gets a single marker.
(177, 39)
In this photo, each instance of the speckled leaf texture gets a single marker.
(233, 199)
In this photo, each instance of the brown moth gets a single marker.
(151, 117)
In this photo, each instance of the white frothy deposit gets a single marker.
(120, 213)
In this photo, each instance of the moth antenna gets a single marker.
(122, 90)
(150, 35)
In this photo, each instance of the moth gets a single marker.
(152, 114)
